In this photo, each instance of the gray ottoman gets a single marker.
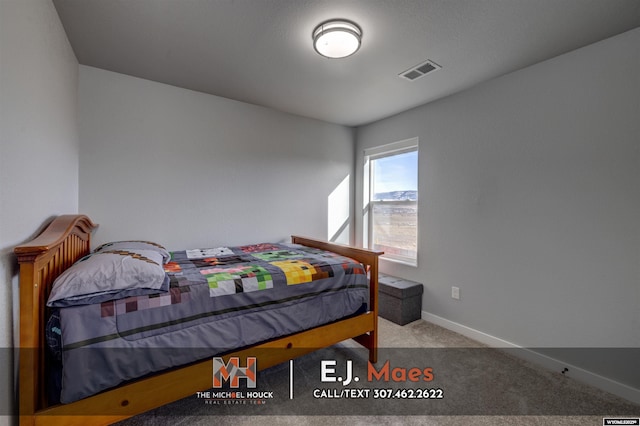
(399, 300)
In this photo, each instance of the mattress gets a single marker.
(219, 300)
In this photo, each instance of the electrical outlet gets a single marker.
(455, 293)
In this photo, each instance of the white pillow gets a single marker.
(109, 275)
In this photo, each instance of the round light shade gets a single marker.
(337, 39)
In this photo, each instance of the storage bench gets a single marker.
(399, 300)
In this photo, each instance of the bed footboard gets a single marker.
(370, 260)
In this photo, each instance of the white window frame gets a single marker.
(395, 148)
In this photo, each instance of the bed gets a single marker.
(68, 239)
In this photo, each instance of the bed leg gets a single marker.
(373, 341)
(373, 352)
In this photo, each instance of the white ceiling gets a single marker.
(259, 51)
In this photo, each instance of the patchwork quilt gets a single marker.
(219, 299)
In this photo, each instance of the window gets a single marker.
(391, 200)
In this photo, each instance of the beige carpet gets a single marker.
(511, 383)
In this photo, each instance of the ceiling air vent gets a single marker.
(420, 70)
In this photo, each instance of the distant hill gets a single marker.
(396, 196)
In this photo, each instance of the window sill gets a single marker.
(406, 262)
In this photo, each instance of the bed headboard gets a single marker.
(42, 260)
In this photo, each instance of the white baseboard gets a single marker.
(619, 389)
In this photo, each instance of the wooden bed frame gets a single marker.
(67, 239)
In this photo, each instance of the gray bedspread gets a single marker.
(219, 300)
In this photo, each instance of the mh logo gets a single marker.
(223, 372)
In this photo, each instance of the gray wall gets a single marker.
(529, 201)
(188, 169)
(38, 147)
(529, 183)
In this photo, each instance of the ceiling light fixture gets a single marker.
(337, 39)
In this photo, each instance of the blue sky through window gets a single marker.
(396, 173)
